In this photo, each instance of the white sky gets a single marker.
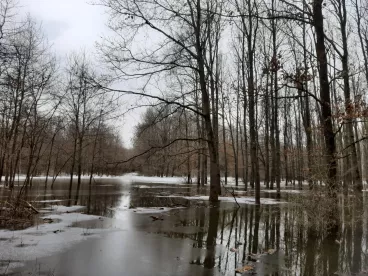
(74, 25)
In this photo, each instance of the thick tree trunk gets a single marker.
(72, 168)
(215, 184)
(267, 135)
(276, 116)
(307, 112)
(50, 157)
(286, 114)
(253, 130)
(245, 104)
(224, 139)
(326, 112)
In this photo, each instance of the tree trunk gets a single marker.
(215, 185)
(326, 112)
(356, 176)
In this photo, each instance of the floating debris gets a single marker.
(244, 269)
(154, 218)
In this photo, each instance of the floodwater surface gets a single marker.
(159, 231)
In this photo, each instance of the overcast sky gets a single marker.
(73, 25)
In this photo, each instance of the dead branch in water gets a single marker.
(28, 205)
(232, 193)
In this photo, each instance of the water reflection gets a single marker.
(209, 261)
(272, 239)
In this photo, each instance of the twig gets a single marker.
(7, 268)
(232, 193)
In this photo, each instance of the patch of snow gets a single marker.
(45, 239)
(164, 187)
(145, 210)
(22, 177)
(153, 210)
(283, 191)
(64, 209)
(240, 192)
(50, 200)
(106, 185)
(134, 177)
(231, 182)
(240, 200)
(143, 187)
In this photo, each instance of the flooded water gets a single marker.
(195, 238)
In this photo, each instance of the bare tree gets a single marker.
(187, 39)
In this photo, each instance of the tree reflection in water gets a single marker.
(251, 231)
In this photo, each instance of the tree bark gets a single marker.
(326, 112)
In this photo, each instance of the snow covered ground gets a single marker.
(126, 178)
(63, 176)
(153, 210)
(283, 191)
(64, 209)
(133, 177)
(136, 178)
(49, 200)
